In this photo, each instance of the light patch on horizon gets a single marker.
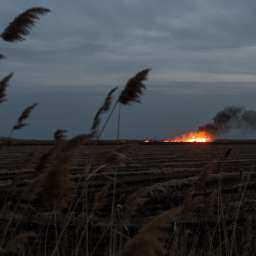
(203, 77)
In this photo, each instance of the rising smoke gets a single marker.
(231, 118)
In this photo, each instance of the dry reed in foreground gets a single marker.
(4, 83)
(22, 24)
(93, 211)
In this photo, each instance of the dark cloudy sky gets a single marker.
(202, 54)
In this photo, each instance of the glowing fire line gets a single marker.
(193, 137)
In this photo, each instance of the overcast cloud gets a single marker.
(90, 46)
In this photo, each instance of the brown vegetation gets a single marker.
(72, 198)
(129, 200)
(22, 24)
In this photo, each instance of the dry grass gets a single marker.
(189, 216)
(151, 238)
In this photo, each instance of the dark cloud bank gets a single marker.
(202, 54)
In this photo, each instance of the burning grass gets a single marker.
(193, 137)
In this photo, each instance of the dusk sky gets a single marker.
(202, 54)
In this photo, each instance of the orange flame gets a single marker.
(193, 137)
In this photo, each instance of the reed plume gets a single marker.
(56, 184)
(75, 142)
(4, 83)
(22, 24)
(115, 158)
(151, 238)
(103, 109)
(60, 134)
(108, 100)
(101, 199)
(23, 117)
(134, 88)
(131, 93)
(45, 160)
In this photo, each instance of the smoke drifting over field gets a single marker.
(231, 118)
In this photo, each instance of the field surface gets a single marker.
(116, 190)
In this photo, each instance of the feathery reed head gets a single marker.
(152, 237)
(101, 198)
(134, 88)
(96, 122)
(56, 184)
(103, 109)
(76, 141)
(44, 160)
(115, 158)
(108, 100)
(23, 117)
(4, 83)
(22, 24)
(60, 134)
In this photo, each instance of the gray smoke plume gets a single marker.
(231, 118)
